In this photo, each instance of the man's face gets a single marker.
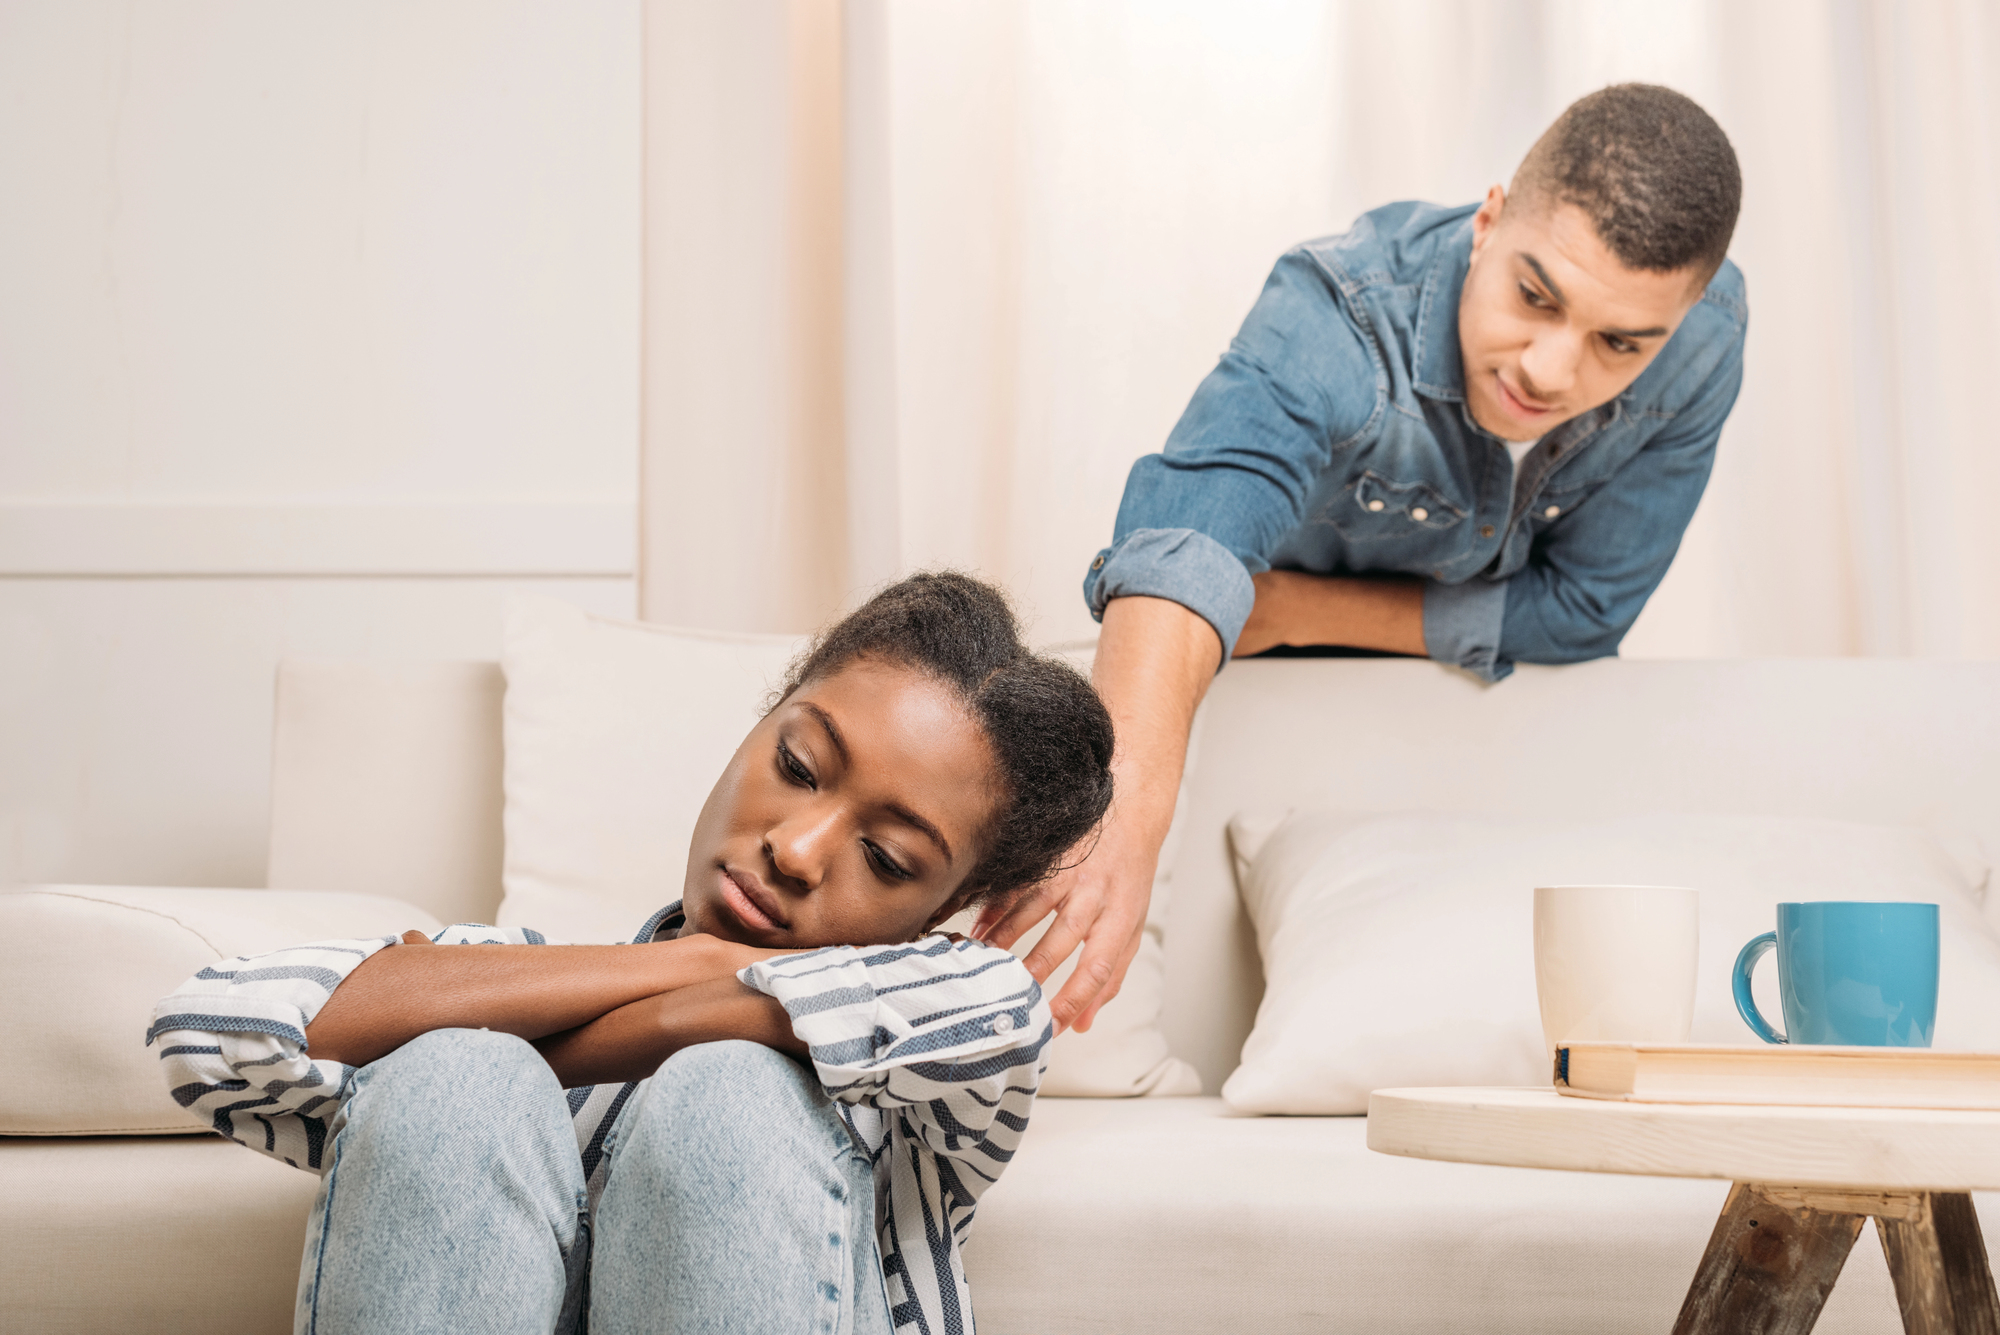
(1550, 323)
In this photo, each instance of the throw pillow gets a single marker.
(1399, 949)
(613, 732)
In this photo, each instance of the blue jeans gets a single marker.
(736, 1202)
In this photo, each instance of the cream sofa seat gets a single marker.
(1175, 1215)
(1126, 1215)
(146, 1234)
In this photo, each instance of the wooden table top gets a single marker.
(1883, 1149)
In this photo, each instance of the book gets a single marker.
(1779, 1074)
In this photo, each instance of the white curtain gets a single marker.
(925, 276)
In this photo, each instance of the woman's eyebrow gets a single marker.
(832, 730)
(909, 817)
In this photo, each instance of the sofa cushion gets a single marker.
(1399, 950)
(616, 732)
(1174, 1215)
(80, 969)
(385, 780)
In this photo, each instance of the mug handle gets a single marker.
(1746, 1005)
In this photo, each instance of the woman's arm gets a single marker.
(631, 1042)
(531, 991)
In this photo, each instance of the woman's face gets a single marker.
(849, 816)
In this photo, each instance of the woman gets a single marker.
(518, 1137)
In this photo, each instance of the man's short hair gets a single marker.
(1651, 170)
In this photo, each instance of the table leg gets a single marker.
(1768, 1267)
(1943, 1282)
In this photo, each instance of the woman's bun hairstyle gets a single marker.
(1050, 733)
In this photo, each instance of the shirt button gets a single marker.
(1098, 564)
(1003, 1024)
(1486, 530)
(1374, 505)
(1552, 512)
(1420, 514)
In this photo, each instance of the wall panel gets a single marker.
(319, 333)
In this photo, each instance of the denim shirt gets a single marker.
(1333, 437)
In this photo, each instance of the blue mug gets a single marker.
(1863, 974)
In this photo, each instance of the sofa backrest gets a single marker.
(386, 779)
(1880, 740)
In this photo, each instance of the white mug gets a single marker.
(1616, 963)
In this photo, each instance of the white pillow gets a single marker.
(1399, 949)
(613, 734)
(616, 731)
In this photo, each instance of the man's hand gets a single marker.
(1100, 903)
(1154, 662)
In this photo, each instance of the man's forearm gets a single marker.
(531, 991)
(1154, 662)
(1357, 612)
(631, 1042)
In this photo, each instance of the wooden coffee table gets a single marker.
(1805, 1180)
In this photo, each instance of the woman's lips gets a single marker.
(751, 902)
(1518, 406)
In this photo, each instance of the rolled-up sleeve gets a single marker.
(943, 1031)
(233, 1045)
(1299, 383)
(1462, 625)
(1182, 565)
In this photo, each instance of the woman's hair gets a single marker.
(1050, 733)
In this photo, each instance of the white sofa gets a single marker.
(1119, 1214)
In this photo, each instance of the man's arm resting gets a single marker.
(1155, 660)
(531, 991)
(631, 1042)
(1356, 612)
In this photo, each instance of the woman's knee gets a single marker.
(448, 1084)
(730, 1080)
(707, 1103)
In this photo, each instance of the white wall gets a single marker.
(319, 331)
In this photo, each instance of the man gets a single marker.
(1475, 434)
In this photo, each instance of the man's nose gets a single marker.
(1549, 363)
(802, 845)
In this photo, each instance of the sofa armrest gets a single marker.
(82, 965)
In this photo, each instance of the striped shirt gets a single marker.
(932, 1050)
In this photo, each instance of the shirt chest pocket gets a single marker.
(1553, 502)
(1375, 509)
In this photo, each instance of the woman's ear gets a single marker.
(960, 900)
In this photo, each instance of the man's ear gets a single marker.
(1488, 217)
